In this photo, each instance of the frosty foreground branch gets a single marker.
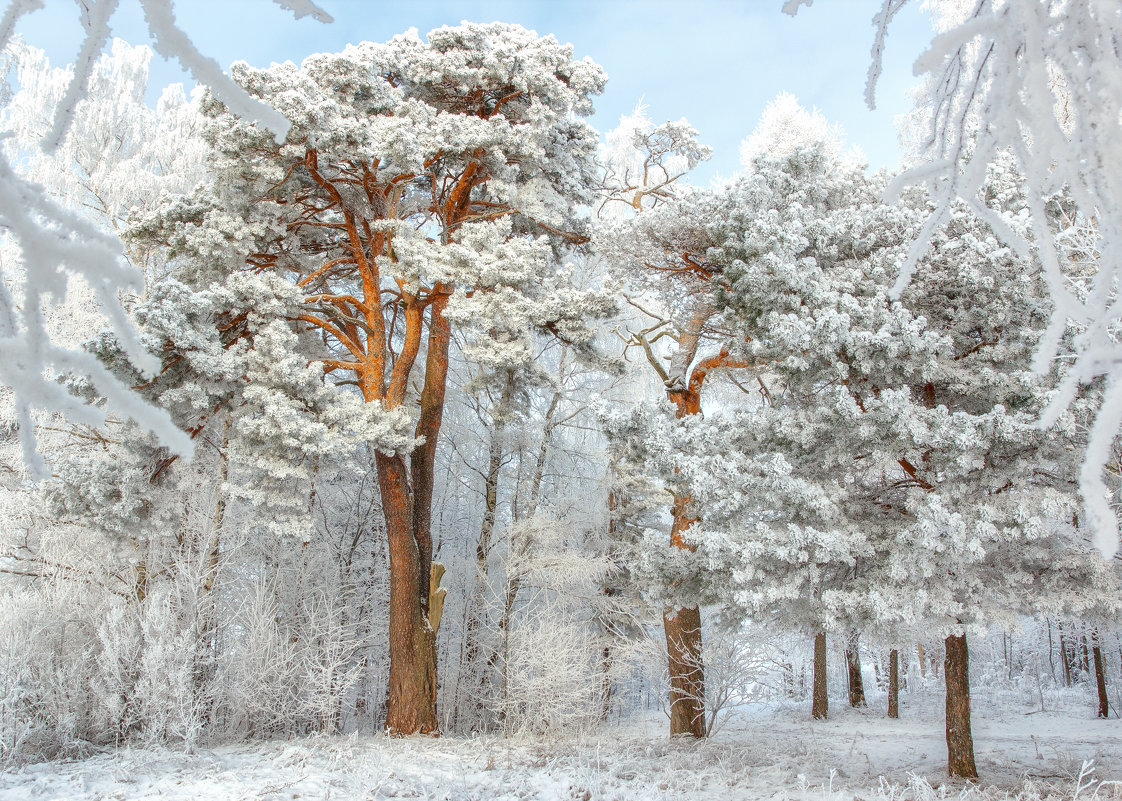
(1041, 79)
(55, 244)
(52, 243)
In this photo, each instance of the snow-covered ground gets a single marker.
(763, 752)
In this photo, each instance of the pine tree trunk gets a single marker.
(687, 673)
(960, 742)
(423, 459)
(1100, 676)
(922, 660)
(407, 507)
(820, 706)
(411, 702)
(853, 663)
(893, 684)
(683, 648)
(683, 626)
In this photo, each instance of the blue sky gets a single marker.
(716, 62)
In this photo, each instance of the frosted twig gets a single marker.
(54, 244)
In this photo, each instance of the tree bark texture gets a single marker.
(1100, 677)
(853, 665)
(893, 684)
(411, 703)
(960, 742)
(820, 706)
(687, 673)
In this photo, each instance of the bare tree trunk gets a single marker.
(893, 684)
(922, 660)
(853, 663)
(960, 742)
(820, 706)
(206, 651)
(789, 679)
(513, 587)
(687, 673)
(1100, 675)
(411, 702)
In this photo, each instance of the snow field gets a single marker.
(773, 752)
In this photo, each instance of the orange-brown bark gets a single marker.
(423, 459)
(410, 704)
(683, 626)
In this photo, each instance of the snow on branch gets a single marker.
(170, 41)
(305, 8)
(1041, 79)
(54, 244)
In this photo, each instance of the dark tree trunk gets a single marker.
(422, 462)
(687, 673)
(1100, 677)
(960, 742)
(820, 706)
(893, 684)
(853, 663)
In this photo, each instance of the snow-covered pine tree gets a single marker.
(674, 308)
(423, 184)
(896, 449)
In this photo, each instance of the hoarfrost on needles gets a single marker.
(1041, 80)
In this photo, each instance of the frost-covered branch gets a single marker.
(54, 244)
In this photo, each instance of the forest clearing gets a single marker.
(768, 752)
